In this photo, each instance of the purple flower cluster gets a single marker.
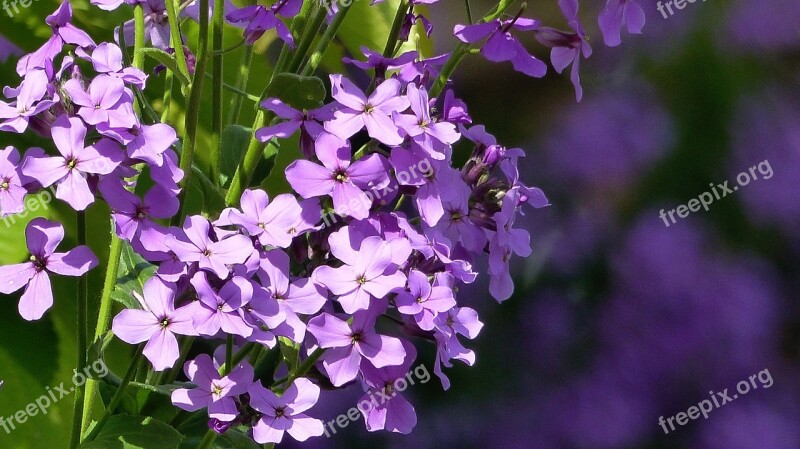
(339, 275)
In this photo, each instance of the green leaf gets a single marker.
(212, 199)
(134, 271)
(300, 92)
(238, 440)
(135, 432)
(235, 139)
(168, 61)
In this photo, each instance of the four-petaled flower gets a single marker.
(43, 237)
(157, 323)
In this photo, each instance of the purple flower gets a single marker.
(133, 216)
(63, 33)
(107, 58)
(567, 47)
(157, 323)
(374, 112)
(29, 103)
(261, 19)
(505, 242)
(214, 392)
(456, 223)
(395, 414)
(221, 311)
(156, 24)
(457, 321)
(269, 221)
(69, 171)
(107, 102)
(143, 142)
(435, 137)
(43, 237)
(285, 413)
(306, 121)
(367, 272)
(616, 14)
(195, 245)
(381, 64)
(8, 49)
(336, 177)
(301, 296)
(502, 46)
(12, 192)
(423, 301)
(347, 344)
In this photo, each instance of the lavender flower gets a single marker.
(43, 237)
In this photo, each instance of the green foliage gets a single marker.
(131, 432)
(235, 139)
(134, 271)
(168, 61)
(300, 92)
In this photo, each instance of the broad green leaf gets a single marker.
(235, 139)
(167, 60)
(134, 271)
(212, 199)
(300, 92)
(135, 432)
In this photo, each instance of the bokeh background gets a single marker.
(617, 319)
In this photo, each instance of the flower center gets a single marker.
(361, 280)
(72, 163)
(216, 390)
(368, 108)
(340, 176)
(280, 411)
(38, 264)
(165, 322)
(355, 338)
(4, 185)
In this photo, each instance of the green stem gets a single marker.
(469, 12)
(208, 440)
(103, 318)
(193, 109)
(397, 26)
(169, 77)
(305, 366)
(228, 356)
(241, 84)
(217, 37)
(138, 40)
(244, 172)
(82, 331)
(325, 41)
(232, 359)
(117, 398)
(309, 34)
(175, 36)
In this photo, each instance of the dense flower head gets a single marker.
(324, 284)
